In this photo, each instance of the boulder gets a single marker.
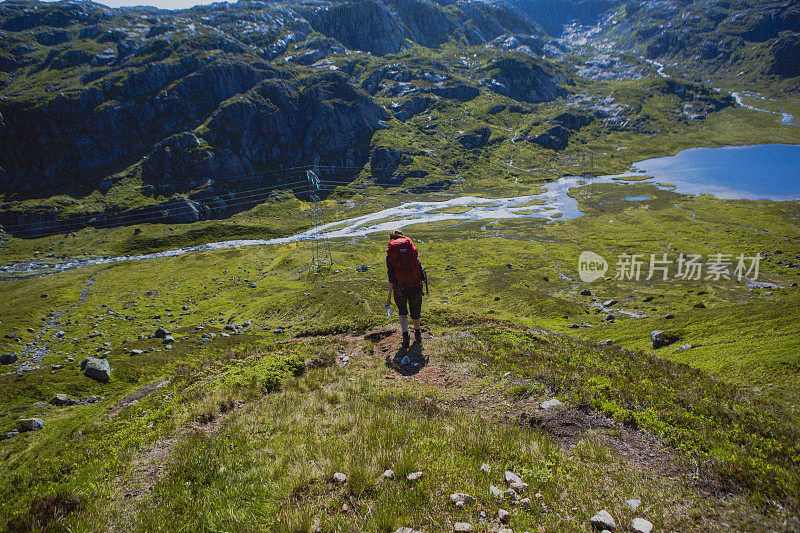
(62, 399)
(136, 352)
(640, 525)
(339, 478)
(586, 292)
(160, 333)
(503, 515)
(412, 107)
(96, 369)
(549, 404)
(661, 338)
(511, 477)
(8, 358)
(603, 520)
(414, 476)
(384, 161)
(461, 497)
(462, 527)
(9, 435)
(30, 424)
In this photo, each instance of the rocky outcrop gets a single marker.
(347, 22)
(785, 54)
(527, 81)
(411, 107)
(384, 161)
(555, 138)
(476, 138)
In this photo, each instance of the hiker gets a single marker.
(406, 275)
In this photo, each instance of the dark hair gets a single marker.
(396, 234)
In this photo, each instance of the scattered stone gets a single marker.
(699, 305)
(503, 515)
(388, 474)
(405, 529)
(60, 334)
(464, 499)
(223, 334)
(524, 503)
(549, 404)
(662, 338)
(640, 525)
(96, 369)
(603, 520)
(136, 352)
(510, 495)
(511, 477)
(793, 284)
(339, 478)
(606, 342)
(633, 504)
(167, 340)
(414, 476)
(8, 358)
(518, 487)
(574, 326)
(669, 316)
(62, 399)
(462, 527)
(610, 318)
(609, 303)
(30, 424)
(505, 530)
(647, 299)
(586, 292)
(495, 492)
(486, 468)
(160, 333)
(10, 435)
(684, 348)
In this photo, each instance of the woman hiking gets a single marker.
(405, 282)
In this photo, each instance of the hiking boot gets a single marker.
(417, 335)
(406, 339)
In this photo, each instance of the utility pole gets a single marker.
(321, 258)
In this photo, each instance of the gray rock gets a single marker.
(609, 303)
(30, 424)
(405, 529)
(524, 503)
(511, 477)
(518, 488)
(168, 339)
(550, 404)
(606, 342)
(503, 515)
(388, 474)
(461, 497)
(640, 525)
(9, 435)
(699, 305)
(586, 292)
(136, 352)
(62, 399)
(662, 338)
(96, 369)
(633, 504)
(8, 358)
(495, 492)
(160, 333)
(669, 316)
(603, 520)
(462, 527)
(414, 476)
(339, 477)
(486, 468)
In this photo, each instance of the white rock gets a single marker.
(503, 515)
(461, 497)
(505, 530)
(338, 477)
(405, 529)
(518, 487)
(486, 468)
(549, 404)
(524, 503)
(414, 476)
(388, 474)
(511, 477)
(495, 492)
(633, 504)
(462, 527)
(603, 520)
(640, 525)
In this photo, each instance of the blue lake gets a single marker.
(760, 172)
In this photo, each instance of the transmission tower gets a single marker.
(321, 258)
(587, 164)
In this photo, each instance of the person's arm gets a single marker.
(390, 284)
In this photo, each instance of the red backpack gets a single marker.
(407, 270)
